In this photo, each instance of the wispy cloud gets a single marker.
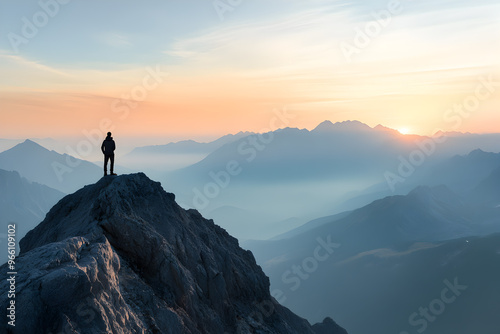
(9, 59)
(310, 40)
(427, 50)
(114, 39)
(428, 57)
(23, 74)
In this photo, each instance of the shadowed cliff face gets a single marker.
(120, 256)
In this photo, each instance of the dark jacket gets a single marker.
(108, 146)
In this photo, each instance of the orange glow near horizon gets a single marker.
(184, 113)
(230, 78)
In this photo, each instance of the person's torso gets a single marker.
(109, 145)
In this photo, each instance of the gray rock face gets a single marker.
(120, 256)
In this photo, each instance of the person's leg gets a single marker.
(112, 166)
(106, 158)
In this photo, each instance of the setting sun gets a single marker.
(404, 131)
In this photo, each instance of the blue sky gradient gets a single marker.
(257, 56)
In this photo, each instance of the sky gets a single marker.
(201, 69)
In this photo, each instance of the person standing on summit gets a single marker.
(108, 149)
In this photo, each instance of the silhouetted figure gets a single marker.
(108, 149)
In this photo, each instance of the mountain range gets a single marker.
(398, 250)
(158, 159)
(282, 178)
(59, 171)
(377, 254)
(23, 203)
(304, 174)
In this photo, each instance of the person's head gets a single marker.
(109, 134)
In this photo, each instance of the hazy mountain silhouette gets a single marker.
(189, 146)
(461, 143)
(461, 173)
(424, 215)
(325, 164)
(346, 126)
(311, 225)
(472, 212)
(330, 150)
(6, 144)
(243, 222)
(397, 250)
(161, 158)
(49, 143)
(23, 203)
(120, 256)
(378, 291)
(59, 171)
(487, 192)
(333, 168)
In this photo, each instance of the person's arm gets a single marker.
(114, 146)
(102, 148)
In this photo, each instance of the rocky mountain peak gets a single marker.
(120, 256)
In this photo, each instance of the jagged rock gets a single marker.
(120, 256)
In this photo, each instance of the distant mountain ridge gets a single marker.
(350, 126)
(463, 172)
(158, 159)
(189, 146)
(330, 152)
(23, 203)
(337, 167)
(396, 246)
(59, 171)
(487, 192)
(427, 214)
